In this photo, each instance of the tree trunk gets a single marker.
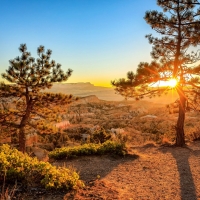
(22, 140)
(180, 135)
(22, 137)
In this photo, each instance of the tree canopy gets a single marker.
(23, 101)
(179, 27)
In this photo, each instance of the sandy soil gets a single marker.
(149, 172)
(157, 173)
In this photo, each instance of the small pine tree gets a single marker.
(28, 78)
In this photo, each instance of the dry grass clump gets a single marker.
(166, 141)
(196, 135)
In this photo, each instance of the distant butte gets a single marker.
(82, 89)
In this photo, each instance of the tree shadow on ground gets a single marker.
(91, 168)
(182, 156)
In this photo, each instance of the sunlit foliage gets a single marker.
(111, 147)
(179, 27)
(23, 102)
(16, 166)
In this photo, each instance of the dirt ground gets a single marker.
(149, 172)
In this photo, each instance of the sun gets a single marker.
(172, 82)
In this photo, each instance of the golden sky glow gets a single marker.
(171, 83)
(96, 39)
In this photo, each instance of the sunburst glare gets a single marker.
(172, 82)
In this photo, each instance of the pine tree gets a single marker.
(28, 103)
(179, 27)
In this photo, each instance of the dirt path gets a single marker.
(163, 173)
(157, 173)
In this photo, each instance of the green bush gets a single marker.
(89, 149)
(15, 165)
(112, 147)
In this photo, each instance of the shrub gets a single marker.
(15, 165)
(112, 147)
(100, 136)
(89, 149)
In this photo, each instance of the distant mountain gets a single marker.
(87, 99)
(103, 93)
(86, 89)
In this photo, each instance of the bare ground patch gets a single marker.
(157, 172)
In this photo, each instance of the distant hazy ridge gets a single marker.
(86, 89)
(104, 93)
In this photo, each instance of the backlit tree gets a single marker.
(179, 29)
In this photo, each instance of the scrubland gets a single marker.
(140, 162)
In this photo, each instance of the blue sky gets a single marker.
(101, 40)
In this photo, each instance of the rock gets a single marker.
(149, 116)
(41, 154)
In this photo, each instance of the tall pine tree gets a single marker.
(179, 27)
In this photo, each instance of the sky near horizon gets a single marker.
(100, 40)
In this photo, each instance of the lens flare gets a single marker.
(172, 82)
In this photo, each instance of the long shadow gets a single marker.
(91, 168)
(187, 185)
